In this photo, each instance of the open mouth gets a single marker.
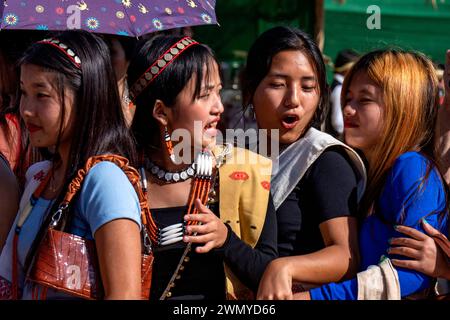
(289, 121)
(211, 129)
(211, 125)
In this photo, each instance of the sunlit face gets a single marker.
(363, 113)
(204, 110)
(288, 96)
(41, 108)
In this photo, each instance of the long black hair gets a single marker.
(260, 56)
(99, 124)
(196, 61)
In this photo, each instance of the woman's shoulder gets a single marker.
(106, 172)
(411, 165)
(106, 195)
(334, 160)
(411, 158)
(410, 169)
(245, 158)
(334, 153)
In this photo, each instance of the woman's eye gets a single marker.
(309, 89)
(42, 95)
(276, 84)
(204, 96)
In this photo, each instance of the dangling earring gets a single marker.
(252, 111)
(169, 145)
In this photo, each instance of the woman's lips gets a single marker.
(350, 125)
(33, 128)
(290, 121)
(211, 128)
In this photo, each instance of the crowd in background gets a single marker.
(357, 208)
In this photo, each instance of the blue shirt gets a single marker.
(106, 195)
(405, 199)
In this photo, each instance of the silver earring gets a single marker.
(251, 110)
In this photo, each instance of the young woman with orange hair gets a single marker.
(390, 107)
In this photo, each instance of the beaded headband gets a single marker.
(159, 65)
(63, 48)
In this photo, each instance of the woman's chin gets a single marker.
(209, 143)
(38, 143)
(289, 137)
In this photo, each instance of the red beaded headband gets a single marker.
(159, 65)
(63, 48)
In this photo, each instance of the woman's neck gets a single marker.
(368, 154)
(64, 153)
(58, 174)
(162, 160)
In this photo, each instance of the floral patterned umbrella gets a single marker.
(120, 17)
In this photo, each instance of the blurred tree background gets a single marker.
(422, 25)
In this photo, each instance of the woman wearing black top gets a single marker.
(319, 180)
(174, 82)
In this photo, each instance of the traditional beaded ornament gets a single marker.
(63, 48)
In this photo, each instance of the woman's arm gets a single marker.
(337, 261)
(119, 253)
(429, 254)
(248, 263)
(110, 207)
(330, 200)
(10, 141)
(9, 199)
(400, 202)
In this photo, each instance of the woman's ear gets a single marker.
(160, 112)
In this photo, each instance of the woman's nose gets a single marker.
(348, 110)
(292, 99)
(218, 105)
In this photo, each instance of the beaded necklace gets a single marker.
(201, 189)
(169, 177)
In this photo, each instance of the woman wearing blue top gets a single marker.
(390, 106)
(70, 104)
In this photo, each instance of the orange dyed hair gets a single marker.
(410, 94)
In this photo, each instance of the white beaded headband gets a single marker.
(63, 48)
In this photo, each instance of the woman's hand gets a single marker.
(305, 295)
(212, 232)
(276, 282)
(427, 252)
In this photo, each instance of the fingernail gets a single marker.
(424, 221)
(396, 227)
(390, 240)
(382, 258)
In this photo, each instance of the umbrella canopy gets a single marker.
(119, 17)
